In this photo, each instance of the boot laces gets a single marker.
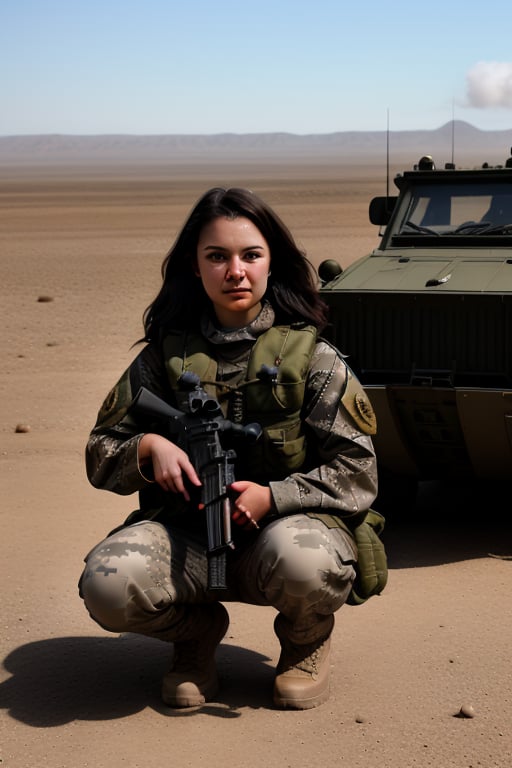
(304, 657)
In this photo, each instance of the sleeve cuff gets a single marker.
(285, 497)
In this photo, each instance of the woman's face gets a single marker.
(233, 262)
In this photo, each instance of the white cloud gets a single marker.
(489, 84)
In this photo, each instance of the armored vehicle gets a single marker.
(426, 323)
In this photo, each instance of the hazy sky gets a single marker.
(202, 67)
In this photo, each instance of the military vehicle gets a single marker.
(426, 323)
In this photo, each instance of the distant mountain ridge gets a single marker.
(471, 144)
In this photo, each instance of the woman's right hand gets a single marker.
(170, 463)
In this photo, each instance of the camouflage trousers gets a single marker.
(149, 579)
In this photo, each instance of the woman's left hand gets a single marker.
(252, 503)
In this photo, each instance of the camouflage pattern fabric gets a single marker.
(148, 577)
(340, 475)
(150, 580)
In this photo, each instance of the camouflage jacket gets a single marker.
(340, 477)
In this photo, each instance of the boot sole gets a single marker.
(291, 702)
(192, 699)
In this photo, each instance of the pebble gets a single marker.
(467, 710)
(22, 428)
(45, 299)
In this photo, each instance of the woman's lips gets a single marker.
(237, 290)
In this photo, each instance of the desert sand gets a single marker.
(80, 256)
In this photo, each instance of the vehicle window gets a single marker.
(456, 210)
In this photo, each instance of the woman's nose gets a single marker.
(235, 270)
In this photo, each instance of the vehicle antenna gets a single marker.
(387, 156)
(453, 133)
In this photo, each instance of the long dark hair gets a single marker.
(292, 288)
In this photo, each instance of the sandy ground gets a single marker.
(71, 694)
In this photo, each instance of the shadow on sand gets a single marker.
(59, 680)
(451, 522)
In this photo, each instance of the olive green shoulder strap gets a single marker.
(285, 347)
(289, 350)
(188, 352)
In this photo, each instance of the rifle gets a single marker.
(197, 428)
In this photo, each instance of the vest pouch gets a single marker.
(287, 452)
(281, 450)
(276, 406)
(371, 567)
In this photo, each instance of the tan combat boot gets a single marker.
(192, 679)
(302, 675)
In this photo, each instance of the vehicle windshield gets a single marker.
(456, 210)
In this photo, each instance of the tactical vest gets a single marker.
(271, 398)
